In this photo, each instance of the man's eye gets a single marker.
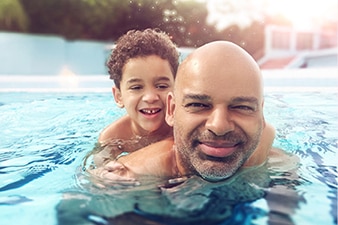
(244, 108)
(196, 105)
(162, 86)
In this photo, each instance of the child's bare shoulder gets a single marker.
(119, 129)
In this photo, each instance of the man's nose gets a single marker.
(220, 122)
(150, 96)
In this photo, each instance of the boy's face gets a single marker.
(143, 89)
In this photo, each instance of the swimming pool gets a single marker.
(48, 125)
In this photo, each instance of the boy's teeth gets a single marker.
(150, 111)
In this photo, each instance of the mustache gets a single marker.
(228, 137)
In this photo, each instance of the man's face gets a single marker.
(217, 117)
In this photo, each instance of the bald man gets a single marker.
(216, 111)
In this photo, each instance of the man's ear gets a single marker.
(264, 122)
(169, 116)
(118, 97)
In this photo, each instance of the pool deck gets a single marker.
(285, 80)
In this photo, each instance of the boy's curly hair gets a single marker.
(137, 43)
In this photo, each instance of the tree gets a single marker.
(239, 21)
(80, 19)
(185, 21)
(13, 16)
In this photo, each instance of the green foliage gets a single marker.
(72, 19)
(250, 38)
(184, 21)
(108, 19)
(12, 16)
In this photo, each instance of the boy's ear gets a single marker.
(169, 116)
(117, 97)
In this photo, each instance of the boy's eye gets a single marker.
(135, 87)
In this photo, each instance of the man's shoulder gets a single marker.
(279, 158)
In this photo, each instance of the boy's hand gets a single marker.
(114, 173)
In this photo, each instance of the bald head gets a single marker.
(216, 110)
(223, 58)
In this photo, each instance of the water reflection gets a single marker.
(186, 200)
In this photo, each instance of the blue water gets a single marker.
(44, 138)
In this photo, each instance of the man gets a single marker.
(216, 111)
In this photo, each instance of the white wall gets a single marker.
(26, 54)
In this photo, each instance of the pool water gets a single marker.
(44, 137)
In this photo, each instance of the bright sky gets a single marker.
(304, 14)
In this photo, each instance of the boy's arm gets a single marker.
(109, 141)
(119, 129)
(155, 159)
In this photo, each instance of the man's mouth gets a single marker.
(218, 149)
(150, 111)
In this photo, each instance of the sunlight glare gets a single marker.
(305, 14)
(68, 79)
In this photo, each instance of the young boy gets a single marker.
(143, 65)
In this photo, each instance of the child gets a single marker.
(143, 65)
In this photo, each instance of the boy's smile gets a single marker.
(143, 90)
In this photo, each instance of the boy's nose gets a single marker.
(150, 96)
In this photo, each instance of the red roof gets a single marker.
(276, 63)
